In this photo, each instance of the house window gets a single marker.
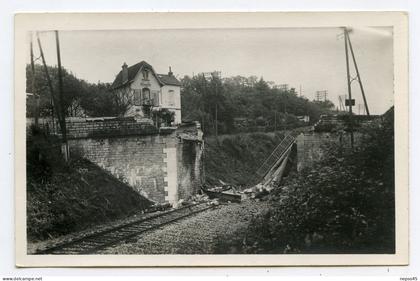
(155, 97)
(146, 96)
(145, 74)
(137, 97)
(171, 98)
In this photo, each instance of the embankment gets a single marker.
(65, 197)
(235, 158)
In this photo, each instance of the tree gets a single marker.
(326, 105)
(344, 203)
(74, 89)
(243, 97)
(80, 98)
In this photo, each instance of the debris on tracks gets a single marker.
(224, 192)
(159, 207)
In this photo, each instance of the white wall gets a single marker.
(165, 100)
(139, 83)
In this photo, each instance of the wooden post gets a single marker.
(60, 96)
(36, 96)
(53, 98)
(349, 89)
(358, 76)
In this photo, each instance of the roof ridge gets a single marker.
(164, 79)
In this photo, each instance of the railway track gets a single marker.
(90, 244)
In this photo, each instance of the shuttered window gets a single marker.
(155, 95)
(146, 96)
(171, 98)
(137, 97)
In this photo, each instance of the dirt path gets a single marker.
(194, 235)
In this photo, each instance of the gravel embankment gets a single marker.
(194, 235)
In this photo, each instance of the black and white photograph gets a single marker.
(226, 142)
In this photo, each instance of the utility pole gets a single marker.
(36, 96)
(217, 101)
(60, 96)
(55, 104)
(349, 89)
(342, 107)
(358, 76)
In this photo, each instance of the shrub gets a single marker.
(342, 204)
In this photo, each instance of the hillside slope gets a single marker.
(65, 197)
(235, 158)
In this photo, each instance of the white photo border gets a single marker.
(25, 22)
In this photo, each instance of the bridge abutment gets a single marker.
(163, 165)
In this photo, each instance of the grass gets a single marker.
(235, 158)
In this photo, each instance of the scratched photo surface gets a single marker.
(210, 141)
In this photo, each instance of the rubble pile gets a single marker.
(214, 196)
(230, 193)
(258, 191)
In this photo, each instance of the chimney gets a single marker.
(170, 73)
(124, 73)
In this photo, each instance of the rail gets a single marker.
(92, 243)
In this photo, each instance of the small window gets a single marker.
(146, 96)
(171, 98)
(145, 74)
(155, 97)
(137, 97)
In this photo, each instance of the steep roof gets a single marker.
(169, 79)
(134, 69)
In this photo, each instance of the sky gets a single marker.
(310, 59)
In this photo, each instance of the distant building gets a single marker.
(148, 91)
(210, 75)
(304, 118)
(283, 87)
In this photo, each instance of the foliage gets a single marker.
(342, 204)
(100, 101)
(235, 158)
(326, 105)
(261, 102)
(73, 89)
(202, 99)
(163, 115)
(79, 97)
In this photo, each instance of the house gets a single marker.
(146, 92)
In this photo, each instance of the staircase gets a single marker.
(277, 154)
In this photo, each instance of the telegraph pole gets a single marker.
(55, 104)
(33, 85)
(349, 88)
(358, 76)
(60, 96)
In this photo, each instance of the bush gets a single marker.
(342, 204)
